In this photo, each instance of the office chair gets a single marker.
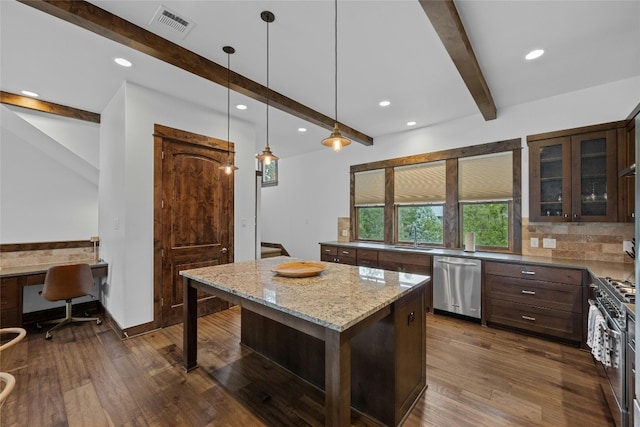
(5, 377)
(65, 282)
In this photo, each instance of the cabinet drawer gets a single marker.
(328, 250)
(556, 323)
(536, 272)
(9, 293)
(551, 295)
(367, 257)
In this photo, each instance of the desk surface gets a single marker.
(27, 270)
(338, 298)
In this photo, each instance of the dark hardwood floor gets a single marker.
(476, 376)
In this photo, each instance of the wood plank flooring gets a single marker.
(476, 376)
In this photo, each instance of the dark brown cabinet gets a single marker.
(574, 175)
(10, 297)
(339, 254)
(543, 300)
(627, 182)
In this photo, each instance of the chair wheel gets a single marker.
(98, 322)
(48, 336)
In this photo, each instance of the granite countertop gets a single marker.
(25, 270)
(617, 270)
(338, 298)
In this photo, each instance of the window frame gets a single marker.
(452, 229)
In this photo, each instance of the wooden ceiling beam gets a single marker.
(48, 107)
(448, 25)
(106, 24)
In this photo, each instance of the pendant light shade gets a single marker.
(228, 167)
(266, 157)
(336, 141)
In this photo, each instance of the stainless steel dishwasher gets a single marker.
(456, 285)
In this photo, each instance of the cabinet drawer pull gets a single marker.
(345, 252)
(327, 250)
(530, 273)
(528, 318)
(524, 291)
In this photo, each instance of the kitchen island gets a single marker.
(357, 333)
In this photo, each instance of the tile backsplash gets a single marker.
(583, 241)
(45, 256)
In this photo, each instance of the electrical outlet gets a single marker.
(535, 242)
(627, 246)
(549, 243)
(345, 233)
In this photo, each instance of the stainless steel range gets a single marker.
(610, 342)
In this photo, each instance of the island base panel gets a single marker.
(387, 359)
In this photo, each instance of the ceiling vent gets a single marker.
(169, 23)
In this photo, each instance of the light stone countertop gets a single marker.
(616, 270)
(338, 298)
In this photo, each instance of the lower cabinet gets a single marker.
(543, 300)
(339, 254)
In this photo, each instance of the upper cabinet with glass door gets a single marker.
(573, 177)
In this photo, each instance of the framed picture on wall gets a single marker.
(270, 174)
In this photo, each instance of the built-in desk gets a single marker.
(13, 279)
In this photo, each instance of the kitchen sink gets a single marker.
(413, 248)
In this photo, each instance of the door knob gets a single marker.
(224, 250)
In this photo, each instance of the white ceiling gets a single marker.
(388, 50)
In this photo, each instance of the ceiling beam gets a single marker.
(106, 24)
(48, 107)
(446, 21)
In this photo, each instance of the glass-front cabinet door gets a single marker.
(550, 175)
(573, 178)
(594, 176)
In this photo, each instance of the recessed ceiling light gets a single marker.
(123, 62)
(412, 123)
(241, 107)
(29, 93)
(302, 129)
(384, 103)
(536, 53)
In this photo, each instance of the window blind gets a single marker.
(420, 184)
(369, 188)
(485, 178)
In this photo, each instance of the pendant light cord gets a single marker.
(336, 59)
(228, 105)
(267, 84)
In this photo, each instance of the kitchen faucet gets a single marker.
(414, 230)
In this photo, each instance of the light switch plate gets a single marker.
(549, 243)
(627, 246)
(534, 242)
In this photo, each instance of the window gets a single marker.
(270, 174)
(435, 198)
(485, 198)
(419, 198)
(369, 204)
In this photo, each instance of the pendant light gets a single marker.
(336, 140)
(228, 167)
(266, 157)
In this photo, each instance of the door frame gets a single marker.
(160, 133)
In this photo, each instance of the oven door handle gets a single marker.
(607, 317)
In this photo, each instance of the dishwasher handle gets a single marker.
(470, 264)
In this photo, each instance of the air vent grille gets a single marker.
(170, 23)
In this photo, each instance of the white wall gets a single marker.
(313, 189)
(126, 190)
(47, 192)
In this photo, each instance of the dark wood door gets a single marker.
(196, 213)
